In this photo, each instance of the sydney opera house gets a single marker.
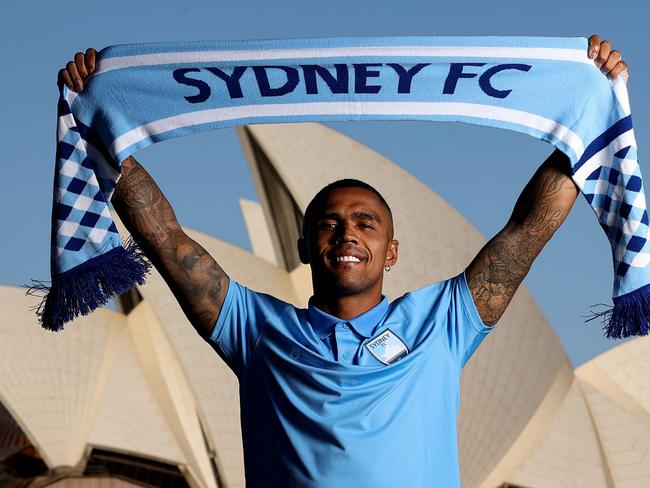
(134, 397)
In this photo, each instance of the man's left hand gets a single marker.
(608, 60)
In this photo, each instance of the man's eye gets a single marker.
(365, 225)
(327, 225)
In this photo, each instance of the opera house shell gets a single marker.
(134, 397)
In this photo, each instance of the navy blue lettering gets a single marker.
(361, 75)
(456, 73)
(202, 86)
(336, 84)
(486, 85)
(406, 76)
(232, 80)
(265, 87)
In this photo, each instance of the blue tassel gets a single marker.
(630, 315)
(90, 285)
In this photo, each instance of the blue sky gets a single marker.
(572, 273)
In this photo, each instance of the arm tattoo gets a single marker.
(141, 205)
(500, 267)
(497, 272)
(197, 281)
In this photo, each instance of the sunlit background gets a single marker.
(480, 171)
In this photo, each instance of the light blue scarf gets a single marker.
(145, 93)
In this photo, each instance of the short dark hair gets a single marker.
(345, 183)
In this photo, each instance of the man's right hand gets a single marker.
(197, 281)
(78, 70)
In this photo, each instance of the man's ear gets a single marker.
(302, 251)
(391, 255)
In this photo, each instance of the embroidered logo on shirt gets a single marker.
(387, 347)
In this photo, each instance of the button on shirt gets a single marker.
(319, 410)
(342, 340)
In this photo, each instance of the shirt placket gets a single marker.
(347, 343)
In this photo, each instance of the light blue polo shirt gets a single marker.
(319, 409)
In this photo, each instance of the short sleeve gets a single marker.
(465, 329)
(240, 323)
(448, 306)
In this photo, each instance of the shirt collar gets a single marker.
(364, 324)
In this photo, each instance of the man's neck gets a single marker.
(348, 306)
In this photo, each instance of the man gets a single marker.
(353, 391)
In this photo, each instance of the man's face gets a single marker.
(348, 242)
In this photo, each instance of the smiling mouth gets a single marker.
(347, 259)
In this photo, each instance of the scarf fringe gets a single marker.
(89, 286)
(630, 315)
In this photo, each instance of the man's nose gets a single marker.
(346, 234)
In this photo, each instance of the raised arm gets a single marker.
(194, 277)
(197, 281)
(499, 268)
(501, 265)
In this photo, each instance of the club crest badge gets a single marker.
(386, 347)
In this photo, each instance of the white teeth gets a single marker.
(348, 259)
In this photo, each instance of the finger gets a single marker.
(64, 77)
(81, 65)
(619, 70)
(603, 53)
(90, 60)
(77, 83)
(613, 58)
(594, 46)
